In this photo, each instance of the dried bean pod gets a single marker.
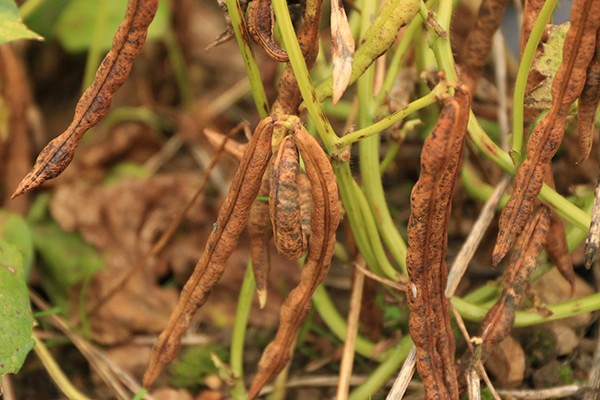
(588, 104)
(261, 21)
(284, 204)
(479, 42)
(259, 230)
(556, 242)
(499, 320)
(306, 203)
(221, 242)
(431, 201)
(95, 101)
(324, 220)
(545, 139)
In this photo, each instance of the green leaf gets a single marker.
(16, 323)
(68, 260)
(546, 64)
(11, 26)
(14, 230)
(75, 27)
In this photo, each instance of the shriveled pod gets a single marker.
(260, 27)
(259, 230)
(284, 201)
(306, 203)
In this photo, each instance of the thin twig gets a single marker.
(474, 390)
(84, 347)
(351, 332)
(549, 393)
(499, 55)
(404, 376)
(594, 377)
(6, 388)
(468, 249)
(401, 286)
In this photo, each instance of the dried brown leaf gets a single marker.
(95, 101)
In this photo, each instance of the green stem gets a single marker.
(252, 72)
(290, 42)
(368, 152)
(384, 371)
(337, 324)
(95, 51)
(238, 392)
(55, 372)
(179, 68)
(29, 8)
(473, 312)
(523, 73)
(390, 120)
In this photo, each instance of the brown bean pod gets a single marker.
(431, 200)
(284, 201)
(221, 242)
(261, 21)
(95, 101)
(324, 220)
(306, 203)
(556, 241)
(547, 136)
(479, 42)
(499, 320)
(588, 104)
(259, 230)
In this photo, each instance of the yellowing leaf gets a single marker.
(11, 26)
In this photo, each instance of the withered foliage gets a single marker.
(431, 201)
(479, 42)
(531, 11)
(578, 50)
(95, 101)
(342, 49)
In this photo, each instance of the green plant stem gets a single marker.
(179, 68)
(95, 51)
(390, 120)
(476, 188)
(476, 313)
(252, 72)
(384, 371)
(29, 7)
(290, 42)
(238, 392)
(522, 74)
(57, 375)
(368, 152)
(337, 324)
